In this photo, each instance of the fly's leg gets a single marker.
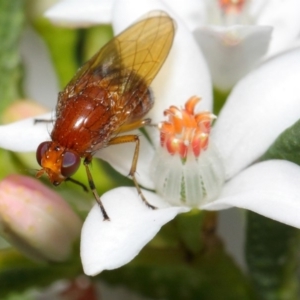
(78, 183)
(36, 121)
(134, 125)
(132, 139)
(86, 163)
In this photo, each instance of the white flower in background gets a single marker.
(76, 13)
(234, 35)
(259, 108)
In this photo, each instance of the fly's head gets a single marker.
(56, 161)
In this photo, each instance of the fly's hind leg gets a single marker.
(134, 125)
(132, 139)
(86, 163)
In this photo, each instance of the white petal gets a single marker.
(233, 51)
(120, 157)
(107, 245)
(25, 136)
(77, 13)
(260, 107)
(184, 73)
(283, 17)
(40, 82)
(269, 188)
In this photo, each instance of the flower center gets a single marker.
(232, 7)
(228, 12)
(187, 169)
(185, 131)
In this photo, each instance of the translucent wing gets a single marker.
(131, 59)
(145, 45)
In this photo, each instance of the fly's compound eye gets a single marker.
(41, 150)
(70, 164)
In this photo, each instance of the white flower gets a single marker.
(260, 107)
(234, 35)
(257, 111)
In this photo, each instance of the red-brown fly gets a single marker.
(109, 95)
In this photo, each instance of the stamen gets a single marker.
(185, 131)
(187, 169)
(228, 12)
(232, 7)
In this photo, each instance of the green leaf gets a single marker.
(272, 257)
(286, 146)
(11, 25)
(272, 247)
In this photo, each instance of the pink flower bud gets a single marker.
(36, 220)
(22, 109)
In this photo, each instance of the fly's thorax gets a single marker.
(83, 123)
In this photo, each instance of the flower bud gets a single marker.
(36, 220)
(22, 109)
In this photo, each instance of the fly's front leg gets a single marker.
(86, 163)
(78, 183)
(36, 121)
(132, 139)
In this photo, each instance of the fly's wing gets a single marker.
(144, 47)
(129, 61)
